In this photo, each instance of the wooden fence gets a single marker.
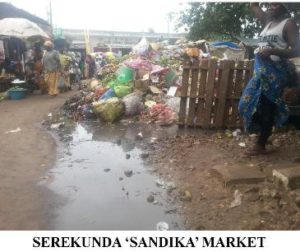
(211, 91)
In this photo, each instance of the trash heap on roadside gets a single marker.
(144, 84)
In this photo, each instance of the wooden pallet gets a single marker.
(211, 91)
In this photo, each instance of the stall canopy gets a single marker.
(7, 10)
(20, 28)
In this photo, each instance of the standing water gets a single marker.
(104, 183)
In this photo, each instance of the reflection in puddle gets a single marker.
(104, 183)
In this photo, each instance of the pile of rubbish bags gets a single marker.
(144, 84)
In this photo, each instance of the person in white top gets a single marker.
(261, 105)
(285, 42)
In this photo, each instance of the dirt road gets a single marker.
(24, 158)
(185, 159)
(200, 195)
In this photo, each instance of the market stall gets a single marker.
(18, 36)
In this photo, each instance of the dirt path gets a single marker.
(24, 158)
(202, 198)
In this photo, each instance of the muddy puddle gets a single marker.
(103, 182)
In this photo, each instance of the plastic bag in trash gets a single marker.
(109, 110)
(162, 114)
(133, 104)
(142, 48)
(108, 94)
(139, 64)
(174, 103)
(124, 74)
(122, 90)
(99, 91)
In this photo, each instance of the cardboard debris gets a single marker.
(172, 91)
(155, 90)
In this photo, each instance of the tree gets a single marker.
(224, 21)
(218, 20)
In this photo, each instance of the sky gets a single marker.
(117, 15)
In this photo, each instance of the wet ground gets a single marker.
(132, 176)
(102, 182)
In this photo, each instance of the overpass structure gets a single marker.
(114, 40)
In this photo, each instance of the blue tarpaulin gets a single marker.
(224, 43)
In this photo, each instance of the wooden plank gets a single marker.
(194, 81)
(237, 91)
(201, 93)
(193, 67)
(183, 94)
(185, 81)
(211, 75)
(215, 99)
(219, 116)
(229, 100)
(193, 94)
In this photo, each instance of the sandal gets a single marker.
(256, 150)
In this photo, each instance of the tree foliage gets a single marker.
(217, 20)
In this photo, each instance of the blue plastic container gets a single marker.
(17, 94)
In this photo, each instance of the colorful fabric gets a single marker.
(51, 80)
(269, 79)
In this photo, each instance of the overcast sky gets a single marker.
(118, 15)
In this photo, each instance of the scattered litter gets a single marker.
(228, 133)
(144, 155)
(150, 104)
(57, 125)
(172, 91)
(237, 199)
(159, 182)
(128, 173)
(127, 156)
(153, 140)
(155, 90)
(107, 170)
(242, 144)
(44, 177)
(253, 135)
(187, 196)
(50, 114)
(13, 131)
(162, 226)
(237, 132)
(171, 211)
(150, 198)
(139, 136)
(165, 185)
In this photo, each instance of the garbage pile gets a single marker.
(146, 83)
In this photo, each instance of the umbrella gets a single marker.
(20, 28)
